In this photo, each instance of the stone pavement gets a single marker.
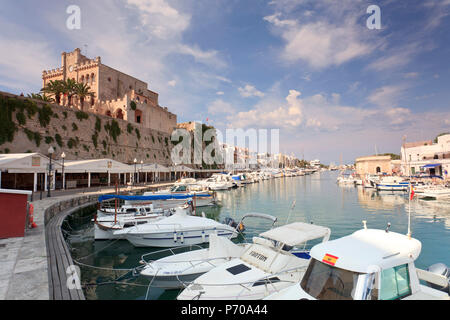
(23, 261)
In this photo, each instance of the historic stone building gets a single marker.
(114, 92)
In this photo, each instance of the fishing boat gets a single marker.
(109, 220)
(173, 271)
(202, 198)
(180, 229)
(369, 264)
(269, 264)
(391, 183)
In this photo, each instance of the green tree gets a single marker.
(82, 91)
(54, 88)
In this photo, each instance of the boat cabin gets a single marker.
(366, 265)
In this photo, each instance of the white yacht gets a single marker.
(268, 265)
(180, 229)
(367, 265)
(175, 270)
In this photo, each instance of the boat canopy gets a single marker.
(152, 197)
(432, 165)
(297, 233)
(368, 248)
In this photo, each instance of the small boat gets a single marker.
(109, 220)
(392, 184)
(172, 272)
(180, 229)
(369, 264)
(268, 265)
(201, 198)
(435, 193)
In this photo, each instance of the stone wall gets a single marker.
(82, 135)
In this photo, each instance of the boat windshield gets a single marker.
(325, 282)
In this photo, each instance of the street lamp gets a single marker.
(142, 169)
(63, 156)
(50, 153)
(134, 180)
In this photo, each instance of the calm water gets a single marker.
(318, 199)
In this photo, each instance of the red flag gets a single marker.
(412, 193)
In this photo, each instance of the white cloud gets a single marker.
(265, 115)
(220, 93)
(220, 107)
(387, 96)
(172, 83)
(250, 91)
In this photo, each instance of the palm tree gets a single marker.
(82, 90)
(39, 96)
(54, 88)
(69, 90)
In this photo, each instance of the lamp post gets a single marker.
(142, 169)
(134, 180)
(63, 156)
(50, 153)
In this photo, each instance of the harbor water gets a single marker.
(106, 266)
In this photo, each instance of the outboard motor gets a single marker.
(442, 270)
(230, 222)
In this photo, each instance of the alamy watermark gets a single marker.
(73, 22)
(204, 146)
(374, 20)
(73, 277)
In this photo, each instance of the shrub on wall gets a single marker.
(20, 116)
(129, 128)
(74, 127)
(81, 115)
(59, 140)
(37, 138)
(45, 114)
(138, 134)
(98, 124)
(133, 105)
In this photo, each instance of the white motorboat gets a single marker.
(201, 198)
(368, 265)
(180, 229)
(105, 226)
(391, 183)
(266, 266)
(174, 271)
(435, 193)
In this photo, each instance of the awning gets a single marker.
(297, 233)
(433, 165)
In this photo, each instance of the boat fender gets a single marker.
(203, 235)
(175, 237)
(182, 238)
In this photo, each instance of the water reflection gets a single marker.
(318, 199)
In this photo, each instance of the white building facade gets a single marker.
(427, 157)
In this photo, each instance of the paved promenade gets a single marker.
(23, 261)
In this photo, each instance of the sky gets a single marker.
(334, 88)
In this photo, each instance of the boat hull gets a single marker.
(176, 238)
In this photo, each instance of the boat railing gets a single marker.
(171, 250)
(431, 277)
(266, 281)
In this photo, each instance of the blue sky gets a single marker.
(310, 68)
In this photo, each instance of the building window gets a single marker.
(92, 78)
(378, 169)
(138, 116)
(109, 79)
(119, 114)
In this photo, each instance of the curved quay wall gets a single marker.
(58, 253)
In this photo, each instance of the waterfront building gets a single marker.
(117, 94)
(374, 165)
(427, 157)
